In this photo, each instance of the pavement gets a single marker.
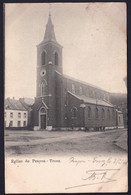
(54, 136)
(65, 142)
(50, 139)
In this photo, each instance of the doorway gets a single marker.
(43, 121)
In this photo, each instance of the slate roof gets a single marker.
(49, 33)
(12, 104)
(92, 100)
(79, 81)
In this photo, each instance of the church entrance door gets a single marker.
(43, 121)
(42, 118)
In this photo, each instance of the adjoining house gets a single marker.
(17, 113)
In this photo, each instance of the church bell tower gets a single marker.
(49, 60)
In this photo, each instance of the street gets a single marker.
(27, 143)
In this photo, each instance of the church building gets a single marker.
(63, 102)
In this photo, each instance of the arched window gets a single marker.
(80, 90)
(90, 93)
(104, 96)
(43, 88)
(107, 98)
(43, 58)
(101, 96)
(73, 88)
(93, 93)
(96, 112)
(87, 92)
(56, 58)
(108, 114)
(119, 119)
(98, 95)
(74, 112)
(113, 113)
(89, 112)
(42, 110)
(103, 113)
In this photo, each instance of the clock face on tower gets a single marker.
(43, 72)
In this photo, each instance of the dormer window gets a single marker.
(56, 58)
(43, 58)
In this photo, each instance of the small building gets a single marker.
(120, 100)
(120, 121)
(18, 112)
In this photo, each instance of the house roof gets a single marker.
(92, 100)
(12, 104)
(27, 102)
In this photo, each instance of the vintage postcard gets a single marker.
(65, 98)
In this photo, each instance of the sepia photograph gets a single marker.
(65, 114)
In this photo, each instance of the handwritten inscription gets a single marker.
(98, 176)
(87, 170)
(97, 160)
(75, 161)
(94, 175)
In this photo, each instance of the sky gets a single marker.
(93, 36)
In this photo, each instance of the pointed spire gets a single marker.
(49, 9)
(49, 32)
